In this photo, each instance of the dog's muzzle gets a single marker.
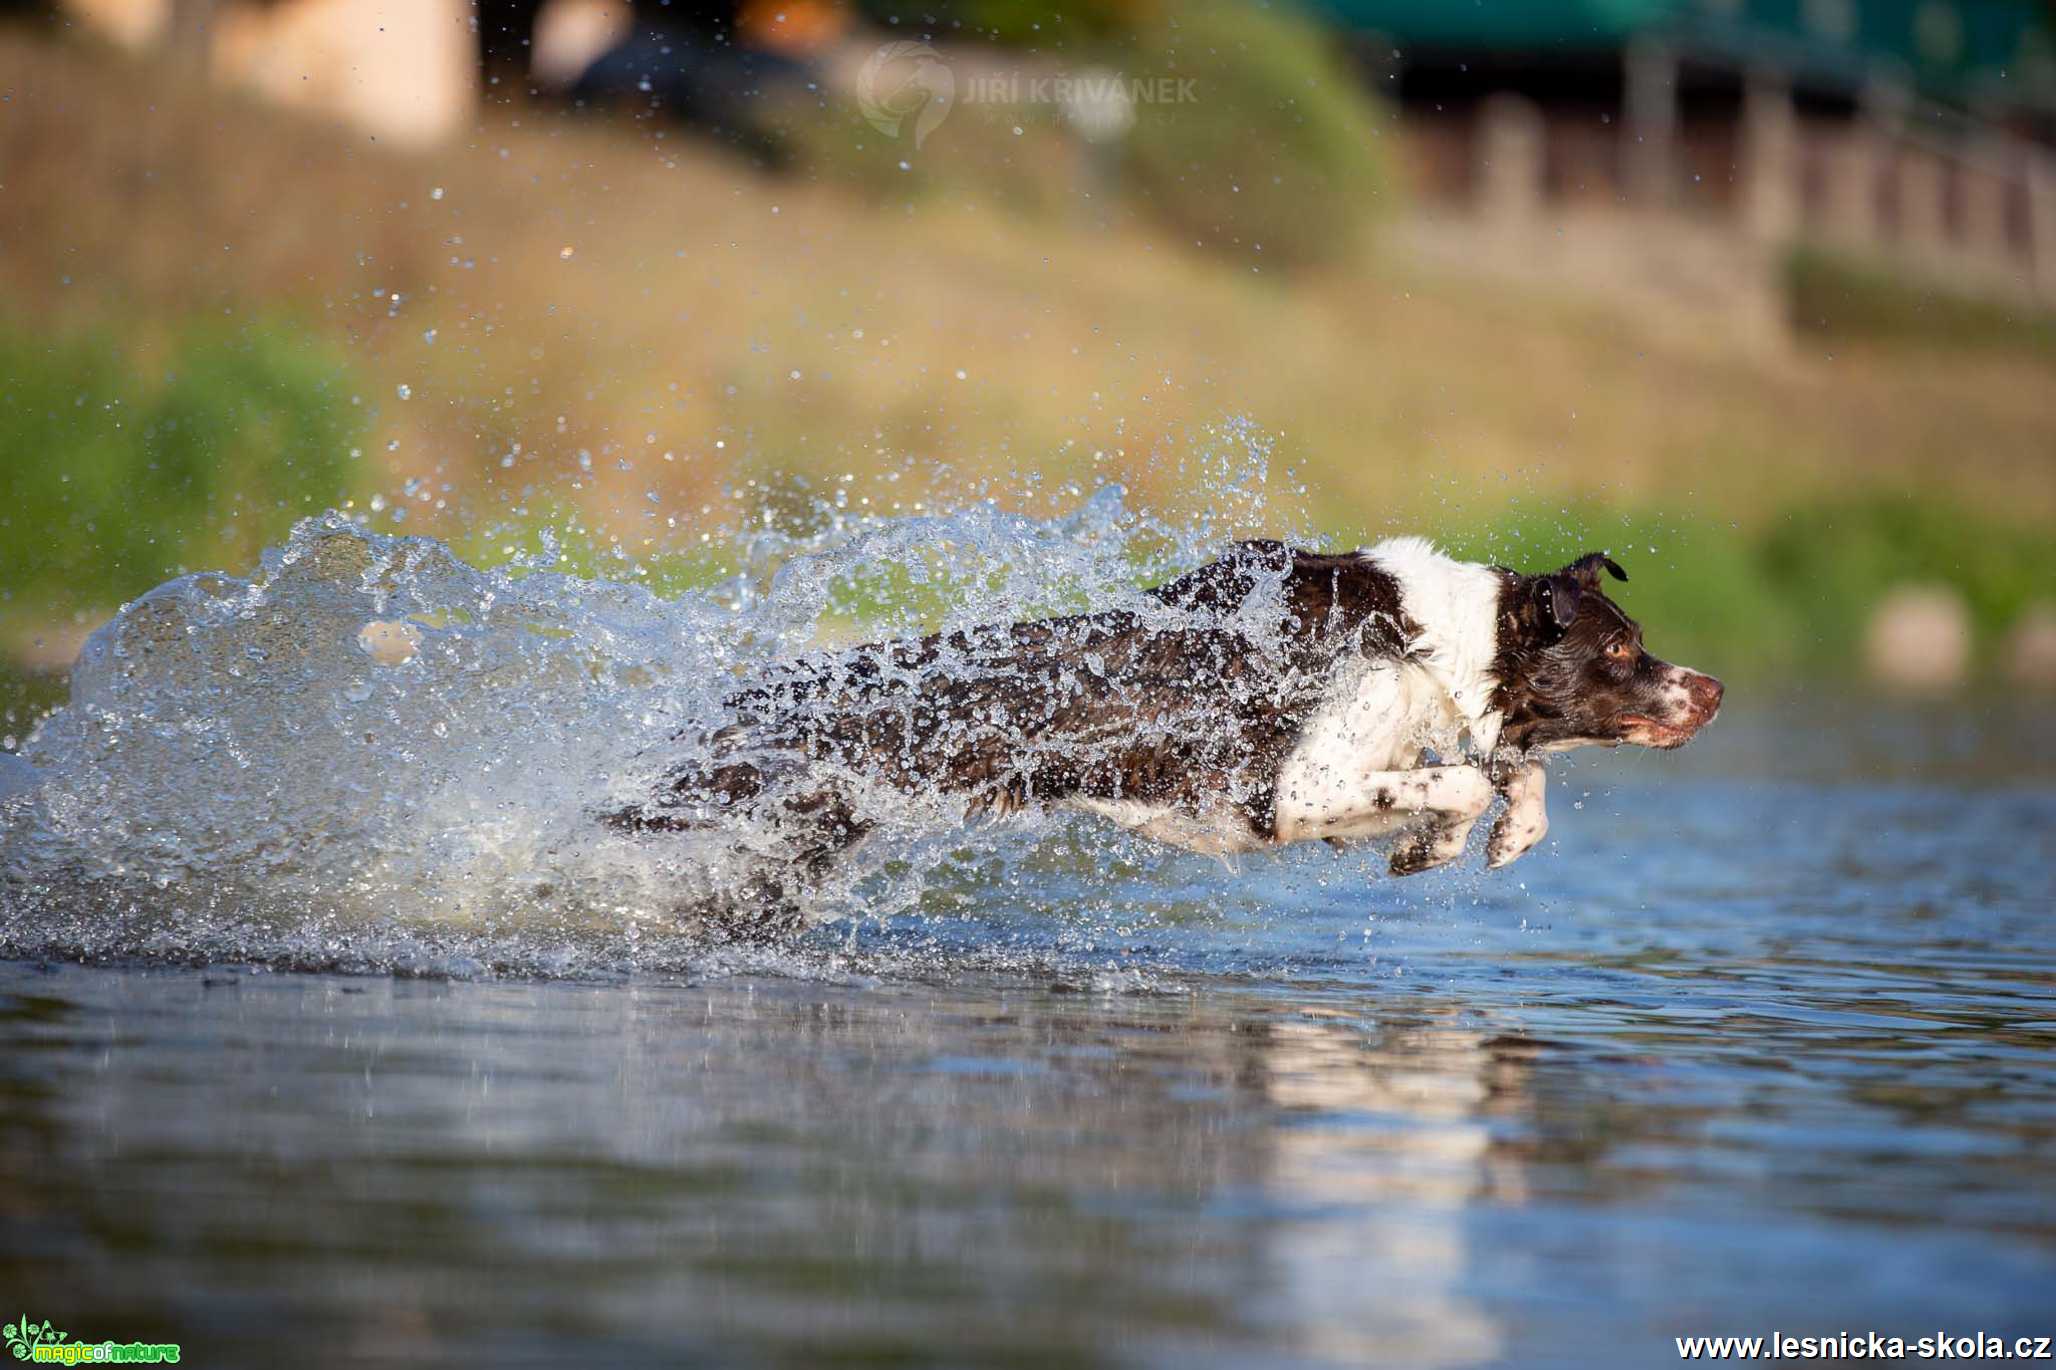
(1689, 701)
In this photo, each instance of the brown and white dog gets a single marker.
(1269, 697)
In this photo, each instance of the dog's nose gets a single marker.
(1706, 695)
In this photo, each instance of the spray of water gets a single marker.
(372, 754)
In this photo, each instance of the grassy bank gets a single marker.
(127, 466)
(1783, 599)
(1268, 155)
(605, 325)
(601, 295)
(1846, 298)
(1789, 594)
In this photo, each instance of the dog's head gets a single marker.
(1573, 672)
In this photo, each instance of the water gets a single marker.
(1763, 1038)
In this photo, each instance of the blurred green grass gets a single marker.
(1256, 144)
(1788, 595)
(1278, 159)
(124, 470)
(1837, 295)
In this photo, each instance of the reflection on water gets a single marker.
(1732, 1054)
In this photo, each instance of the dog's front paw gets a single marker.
(1424, 849)
(1411, 858)
(1509, 842)
(1525, 820)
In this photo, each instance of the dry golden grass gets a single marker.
(627, 293)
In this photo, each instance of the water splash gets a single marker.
(372, 754)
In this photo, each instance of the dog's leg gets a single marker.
(1526, 818)
(1445, 825)
(760, 913)
(1438, 804)
(769, 905)
(692, 799)
(1436, 842)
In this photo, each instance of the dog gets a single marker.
(1272, 696)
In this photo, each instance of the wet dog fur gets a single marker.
(1275, 695)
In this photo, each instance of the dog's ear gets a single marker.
(1585, 570)
(1556, 599)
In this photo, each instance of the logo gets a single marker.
(25, 1336)
(901, 78)
(43, 1344)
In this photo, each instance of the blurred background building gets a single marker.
(1915, 127)
(1920, 127)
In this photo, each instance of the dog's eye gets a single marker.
(1620, 651)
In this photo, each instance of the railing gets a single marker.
(1944, 194)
